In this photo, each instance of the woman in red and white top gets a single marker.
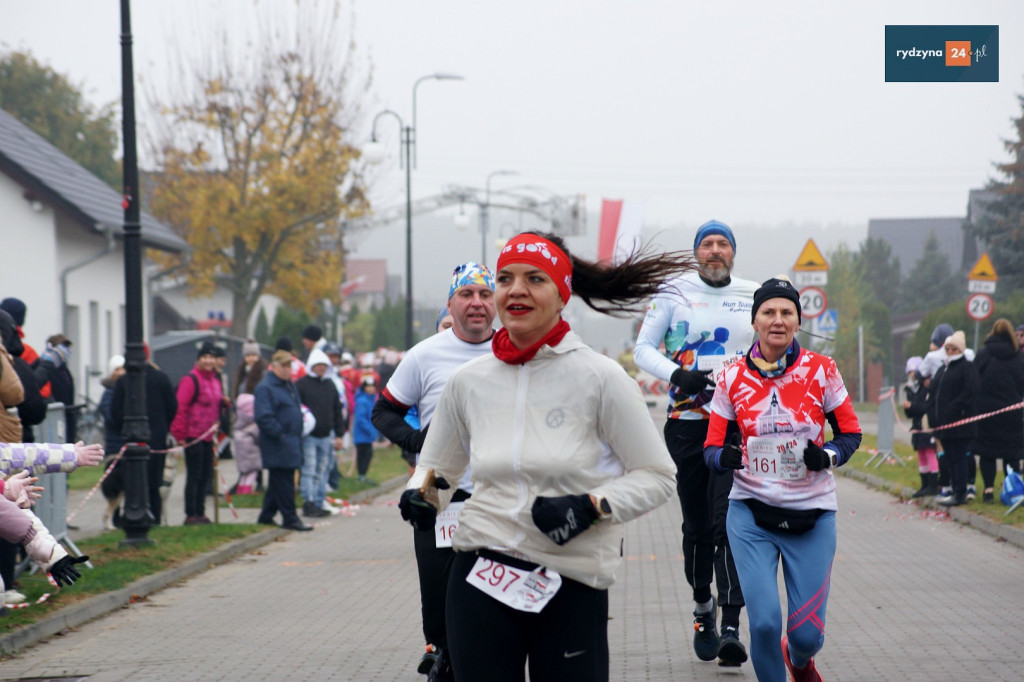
(783, 499)
(563, 451)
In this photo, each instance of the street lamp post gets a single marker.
(136, 517)
(484, 213)
(407, 146)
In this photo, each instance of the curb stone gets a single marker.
(1001, 532)
(102, 604)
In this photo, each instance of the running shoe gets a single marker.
(427, 660)
(705, 633)
(808, 673)
(731, 652)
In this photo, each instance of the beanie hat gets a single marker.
(116, 362)
(714, 227)
(776, 287)
(913, 363)
(312, 332)
(250, 347)
(331, 349)
(469, 273)
(15, 307)
(940, 333)
(1020, 328)
(207, 349)
(219, 352)
(958, 340)
(284, 343)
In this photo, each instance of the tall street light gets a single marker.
(136, 518)
(374, 153)
(484, 213)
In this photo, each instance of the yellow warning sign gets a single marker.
(983, 270)
(810, 259)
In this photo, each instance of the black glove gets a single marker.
(417, 511)
(815, 457)
(691, 381)
(563, 518)
(64, 571)
(732, 453)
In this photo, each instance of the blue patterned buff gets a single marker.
(470, 273)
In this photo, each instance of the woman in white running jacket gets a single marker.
(563, 451)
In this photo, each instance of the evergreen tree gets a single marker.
(880, 270)
(262, 331)
(932, 282)
(1001, 224)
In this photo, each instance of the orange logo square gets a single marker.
(958, 53)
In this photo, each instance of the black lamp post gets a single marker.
(407, 145)
(135, 461)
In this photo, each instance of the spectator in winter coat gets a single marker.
(363, 431)
(916, 406)
(52, 368)
(953, 394)
(250, 372)
(199, 399)
(247, 448)
(113, 440)
(320, 395)
(161, 408)
(17, 309)
(1001, 380)
(279, 417)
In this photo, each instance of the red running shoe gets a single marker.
(808, 673)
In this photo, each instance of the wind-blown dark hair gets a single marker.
(622, 289)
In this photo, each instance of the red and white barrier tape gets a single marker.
(961, 422)
(117, 458)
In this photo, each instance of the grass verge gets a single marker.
(117, 567)
(908, 477)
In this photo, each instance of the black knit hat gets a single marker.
(208, 348)
(312, 333)
(776, 288)
(284, 343)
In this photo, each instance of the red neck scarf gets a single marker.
(505, 351)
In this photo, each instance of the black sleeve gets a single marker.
(340, 425)
(389, 418)
(42, 370)
(32, 410)
(117, 404)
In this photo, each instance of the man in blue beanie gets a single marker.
(703, 319)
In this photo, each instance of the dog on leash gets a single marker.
(113, 488)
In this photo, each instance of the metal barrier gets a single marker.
(885, 449)
(52, 506)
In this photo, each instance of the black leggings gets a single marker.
(487, 640)
(364, 453)
(988, 469)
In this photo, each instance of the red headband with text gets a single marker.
(535, 250)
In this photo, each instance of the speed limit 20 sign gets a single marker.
(813, 301)
(979, 306)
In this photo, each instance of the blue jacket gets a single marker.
(363, 430)
(279, 416)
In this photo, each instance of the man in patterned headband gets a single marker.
(419, 380)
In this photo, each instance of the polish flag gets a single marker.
(621, 223)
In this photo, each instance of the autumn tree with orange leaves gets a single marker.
(257, 166)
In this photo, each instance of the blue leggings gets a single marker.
(806, 566)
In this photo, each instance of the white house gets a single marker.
(62, 228)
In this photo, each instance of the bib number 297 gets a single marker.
(523, 590)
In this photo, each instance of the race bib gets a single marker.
(715, 363)
(776, 457)
(523, 590)
(446, 523)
